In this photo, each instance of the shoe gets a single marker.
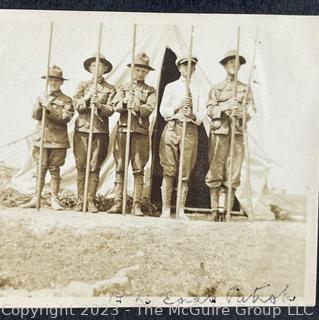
(79, 205)
(166, 213)
(30, 204)
(91, 206)
(214, 216)
(182, 215)
(137, 211)
(55, 204)
(116, 208)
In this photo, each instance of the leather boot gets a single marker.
(137, 199)
(184, 190)
(33, 202)
(80, 190)
(166, 189)
(55, 187)
(93, 185)
(232, 198)
(30, 204)
(55, 203)
(118, 196)
(221, 206)
(214, 203)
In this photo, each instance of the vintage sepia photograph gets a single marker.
(158, 159)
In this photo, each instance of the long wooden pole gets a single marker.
(245, 133)
(129, 124)
(181, 157)
(92, 106)
(44, 113)
(232, 135)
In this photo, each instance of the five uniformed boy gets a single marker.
(176, 105)
(59, 111)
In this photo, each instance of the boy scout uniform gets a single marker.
(56, 141)
(170, 143)
(145, 98)
(100, 139)
(219, 112)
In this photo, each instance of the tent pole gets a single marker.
(232, 134)
(129, 123)
(92, 106)
(44, 113)
(181, 157)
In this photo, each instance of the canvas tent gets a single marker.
(161, 43)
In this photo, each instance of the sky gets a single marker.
(284, 128)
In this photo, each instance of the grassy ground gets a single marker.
(49, 249)
(42, 253)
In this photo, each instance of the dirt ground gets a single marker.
(48, 250)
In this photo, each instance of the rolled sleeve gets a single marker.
(200, 113)
(166, 109)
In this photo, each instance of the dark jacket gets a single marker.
(103, 110)
(59, 113)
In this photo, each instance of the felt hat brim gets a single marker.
(107, 64)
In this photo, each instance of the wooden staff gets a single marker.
(92, 106)
(44, 113)
(244, 126)
(181, 157)
(232, 134)
(129, 125)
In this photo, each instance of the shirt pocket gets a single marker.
(224, 95)
(143, 97)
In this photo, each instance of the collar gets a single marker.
(99, 80)
(55, 93)
(139, 82)
(229, 78)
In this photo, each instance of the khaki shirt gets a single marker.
(59, 113)
(217, 102)
(105, 93)
(140, 120)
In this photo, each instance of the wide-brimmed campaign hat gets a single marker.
(184, 59)
(55, 72)
(231, 54)
(142, 60)
(108, 64)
